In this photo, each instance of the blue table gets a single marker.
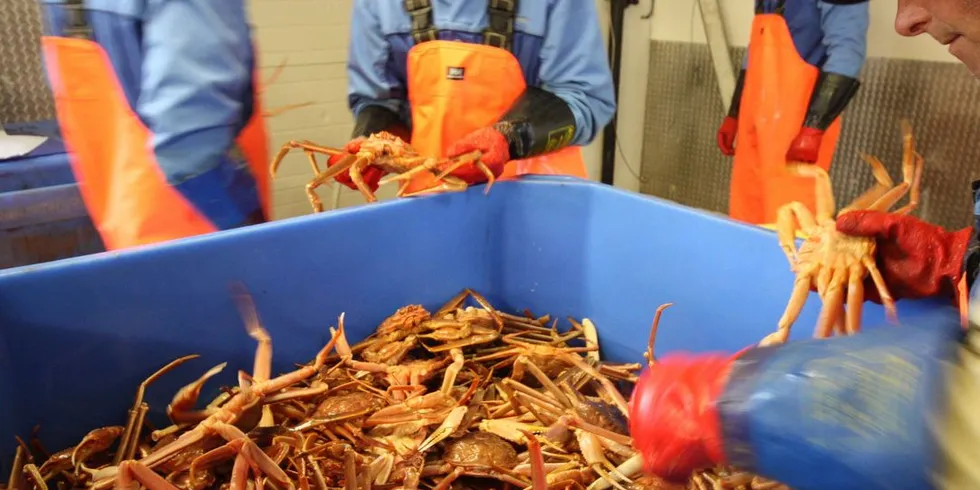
(42, 216)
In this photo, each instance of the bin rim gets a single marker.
(360, 209)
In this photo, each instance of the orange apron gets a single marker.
(125, 192)
(778, 86)
(455, 88)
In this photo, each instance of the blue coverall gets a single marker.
(186, 68)
(557, 42)
(832, 38)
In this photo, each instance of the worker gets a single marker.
(799, 73)
(525, 82)
(157, 106)
(888, 408)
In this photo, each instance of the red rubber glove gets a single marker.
(490, 142)
(371, 175)
(806, 146)
(916, 259)
(673, 416)
(726, 135)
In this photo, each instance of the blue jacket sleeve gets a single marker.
(845, 34)
(195, 96)
(369, 79)
(574, 66)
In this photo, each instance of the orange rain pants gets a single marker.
(124, 190)
(778, 86)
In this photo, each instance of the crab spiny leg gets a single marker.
(855, 298)
(840, 328)
(883, 182)
(886, 298)
(824, 192)
(276, 160)
(801, 289)
(467, 158)
(832, 301)
(180, 408)
(322, 178)
(358, 179)
(649, 354)
(133, 474)
(786, 227)
(313, 163)
(539, 480)
(885, 202)
(915, 190)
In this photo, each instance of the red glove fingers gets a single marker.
(495, 153)
(726, 135)
(371, 175)
(916, 259)
(806, 146)
(673, 416)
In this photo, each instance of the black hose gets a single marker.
(617, 9)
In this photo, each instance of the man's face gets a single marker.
(954, 23)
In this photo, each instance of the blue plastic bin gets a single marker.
(77, 336)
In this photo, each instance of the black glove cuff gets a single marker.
(539, 122)
(737, 96)
(830, 96)
(375, 118)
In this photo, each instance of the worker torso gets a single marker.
(810, 21)
(464, 21)
(160, 116)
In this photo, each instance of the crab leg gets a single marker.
(824, 191)
(914, 192)
(883, 182)
(332, 171)
(832, 301)
(786, 227)
(801, 289)
(133, 474)
(649, 354)
(886, 298)
(539, 480)
(855, 299)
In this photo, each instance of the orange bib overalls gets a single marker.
(455, 88)
(778, 86)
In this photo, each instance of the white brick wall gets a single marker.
(313, 35)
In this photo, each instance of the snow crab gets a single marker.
(834, 263)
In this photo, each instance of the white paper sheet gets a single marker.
(13, 146)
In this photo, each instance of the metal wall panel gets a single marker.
(681, 160)
(24, 93)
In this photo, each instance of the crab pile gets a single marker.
(463, 397)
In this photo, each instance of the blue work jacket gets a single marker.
(830, 37)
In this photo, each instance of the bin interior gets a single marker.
(77, 336)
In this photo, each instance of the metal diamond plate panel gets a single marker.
(681, 161)
(24, 94)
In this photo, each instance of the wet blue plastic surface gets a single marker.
(844, 413)
(77, 336)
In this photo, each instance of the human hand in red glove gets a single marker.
(806, 146)
(674, 419)
(493, 146)
(726, 135)
(371, 174)
(916, 259)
